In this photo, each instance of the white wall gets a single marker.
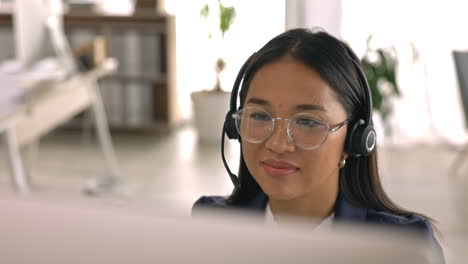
(257, 21)
(430, 109)
(314, 13)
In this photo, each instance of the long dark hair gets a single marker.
(359, 180)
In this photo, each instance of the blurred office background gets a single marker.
(166, 57)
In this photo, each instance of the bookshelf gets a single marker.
(142, 93)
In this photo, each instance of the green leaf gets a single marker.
(388, 66)
(382, 69)
(371, 73)
(226, 17)
(205, 11)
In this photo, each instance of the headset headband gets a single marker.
(236, 87)
(367, 91)
(362, 80)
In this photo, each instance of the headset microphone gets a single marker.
(229, 126)
(234, 178)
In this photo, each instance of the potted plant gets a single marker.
(379, 66)
(210, 106)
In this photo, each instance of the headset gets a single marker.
(360, 139)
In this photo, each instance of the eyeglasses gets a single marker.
(305, 130)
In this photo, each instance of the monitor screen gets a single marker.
(36, 231)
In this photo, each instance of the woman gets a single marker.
(303, 98)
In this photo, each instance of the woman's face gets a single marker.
(284, 171)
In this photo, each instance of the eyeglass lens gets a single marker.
(305, 130)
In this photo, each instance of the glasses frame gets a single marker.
(290, 134)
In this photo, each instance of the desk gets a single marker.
(48, 105)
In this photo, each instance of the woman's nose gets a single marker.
(279, 140)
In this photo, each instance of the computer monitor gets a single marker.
(40, 231)
(39, 34)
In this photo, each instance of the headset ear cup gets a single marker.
(368, 140)
(353, 139)
(230, 126)
(361, 139)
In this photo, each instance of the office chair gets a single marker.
(461, 65)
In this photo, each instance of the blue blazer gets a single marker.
(344, 211)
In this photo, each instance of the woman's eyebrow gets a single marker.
(310, 107)
(300, 107)
(258, 101)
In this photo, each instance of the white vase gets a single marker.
(210, 110)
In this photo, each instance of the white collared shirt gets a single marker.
(325, 224)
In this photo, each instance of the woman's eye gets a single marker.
(308, 122)
(260, 116)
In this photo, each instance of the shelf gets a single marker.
(143, 90)
(145, 78)
(90, 19)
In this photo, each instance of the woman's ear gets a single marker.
(344, 155)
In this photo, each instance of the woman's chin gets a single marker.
(279, 194)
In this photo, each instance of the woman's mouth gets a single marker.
(278, 168)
